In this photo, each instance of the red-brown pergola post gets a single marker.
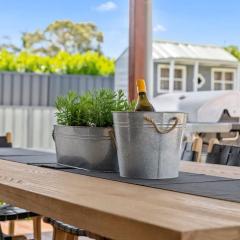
(137, 44)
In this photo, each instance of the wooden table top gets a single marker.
(122, 211)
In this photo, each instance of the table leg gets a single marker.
(11, 229)
(58, 234)
(37, 228)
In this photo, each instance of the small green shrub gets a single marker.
(91, 109)
(234, 50)
(89, 63)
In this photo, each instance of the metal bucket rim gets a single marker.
(93, 127)
(185, 113)
(125, 124)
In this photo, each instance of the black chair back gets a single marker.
(224, 155)
(4, 143)
(234, 157)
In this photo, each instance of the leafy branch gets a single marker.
(89, 63)
(91, 109)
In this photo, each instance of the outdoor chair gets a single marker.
(188, 154)
(234, 157)
(224, 155)
(6, 141)
(11, 213)
(62, 231)
(192, 150)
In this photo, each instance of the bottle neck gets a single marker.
(142, 94)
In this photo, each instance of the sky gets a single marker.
(202, 22)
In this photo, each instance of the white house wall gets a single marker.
(205, 71)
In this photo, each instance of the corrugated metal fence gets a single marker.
(31, 126)
(27, 100)
(31, 89)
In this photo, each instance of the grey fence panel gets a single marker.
(112, 83)
(30, 89)
(65, 86)
(99, 82)
(26, 90)
(31, 126)
(62, 84)
(106, 84)
(1, 88)
(109, 83)
(44, 90)
(90, 83)
(35, 90)
(53, 89)
(16, 89)
(20, 126)
(74, 83)
(82, 85)
(7, 89)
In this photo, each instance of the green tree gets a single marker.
(234, 50)
(62, 35)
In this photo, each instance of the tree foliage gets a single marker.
(89, 63)
(234, 50)
(62, 35)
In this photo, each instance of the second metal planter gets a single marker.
(90, 148)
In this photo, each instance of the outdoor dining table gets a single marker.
(119, 210)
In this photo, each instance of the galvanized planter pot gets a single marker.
(90, 148)
(148, 143)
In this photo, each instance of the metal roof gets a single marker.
(175, 50)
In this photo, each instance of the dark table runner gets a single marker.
(33, 159)
(21, 152)
(190, 183)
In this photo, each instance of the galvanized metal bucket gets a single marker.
(90, 148)
(148, 143)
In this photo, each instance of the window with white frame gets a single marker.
(164, 78)
(223, 79)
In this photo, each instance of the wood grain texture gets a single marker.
(119, 210)
(37, 227)
(211, 169)
(11, 228)
(137, 45)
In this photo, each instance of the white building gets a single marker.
(180, 67)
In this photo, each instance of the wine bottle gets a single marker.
(143, 103)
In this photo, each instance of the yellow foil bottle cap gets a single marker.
(141, 85)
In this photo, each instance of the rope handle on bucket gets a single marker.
(159, 130)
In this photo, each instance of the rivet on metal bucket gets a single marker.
(148, 143)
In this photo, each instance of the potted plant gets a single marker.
(84, 134)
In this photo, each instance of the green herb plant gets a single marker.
(91, 109)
